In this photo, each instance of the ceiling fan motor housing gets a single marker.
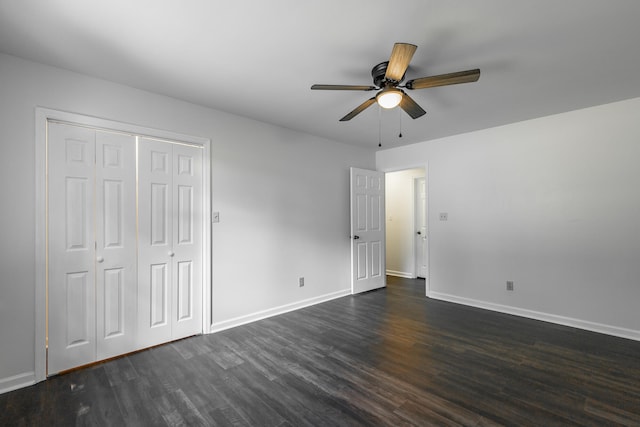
(378, 72)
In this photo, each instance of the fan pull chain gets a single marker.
(379, 126)
(400, 120)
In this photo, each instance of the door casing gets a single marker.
(424, 166)
(420, 224)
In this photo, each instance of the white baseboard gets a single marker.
(545, 317)
(17, 381)
(243, 320)
(400, 274)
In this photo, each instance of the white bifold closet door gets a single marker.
(92, 245)
(124, 255)
(170, 241)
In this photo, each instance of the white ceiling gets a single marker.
(258, 58)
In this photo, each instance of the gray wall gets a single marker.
(552, 204)
(282, 197)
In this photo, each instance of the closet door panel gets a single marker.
(187, 238)
(116, 267)
(155, 251)
(71, 247)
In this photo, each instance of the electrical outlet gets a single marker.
(444, 216)
(301, 281)
(509, 285)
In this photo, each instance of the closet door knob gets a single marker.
(99, 259)
(171, 253)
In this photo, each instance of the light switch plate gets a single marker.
(215, 217)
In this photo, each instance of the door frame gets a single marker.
(42, 117)
(416, 266)
(424, 166)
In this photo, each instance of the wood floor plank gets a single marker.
(386, 357)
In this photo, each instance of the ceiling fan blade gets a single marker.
(399, 61)
(359, 109)
(342, 87)
(444, 79)
(411, 107)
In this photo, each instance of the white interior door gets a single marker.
(125, 246)
(187, 241)
(155, 229)
(421, 226)
(116, 264)
(170, 241)
(102, 201)
(92, 246)
(71, 249)
(367, 230)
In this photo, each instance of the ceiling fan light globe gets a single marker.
(389, 98)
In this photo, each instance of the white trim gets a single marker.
(40, 368)
(17, 381)
(427, 279)
(259, 315)
(537, 315)
(403, 274)
(207, 283)
(416, 266)
(111, 125)
(414, 247)
(42, 115)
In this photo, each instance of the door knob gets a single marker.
(356, 237)
(100, 259)
(419, 233)
(171, 253)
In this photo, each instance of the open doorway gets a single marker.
(406, 224)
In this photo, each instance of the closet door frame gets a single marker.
(42, 117)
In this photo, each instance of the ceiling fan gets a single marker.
(387, 77)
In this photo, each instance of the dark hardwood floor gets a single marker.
(388, 357)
